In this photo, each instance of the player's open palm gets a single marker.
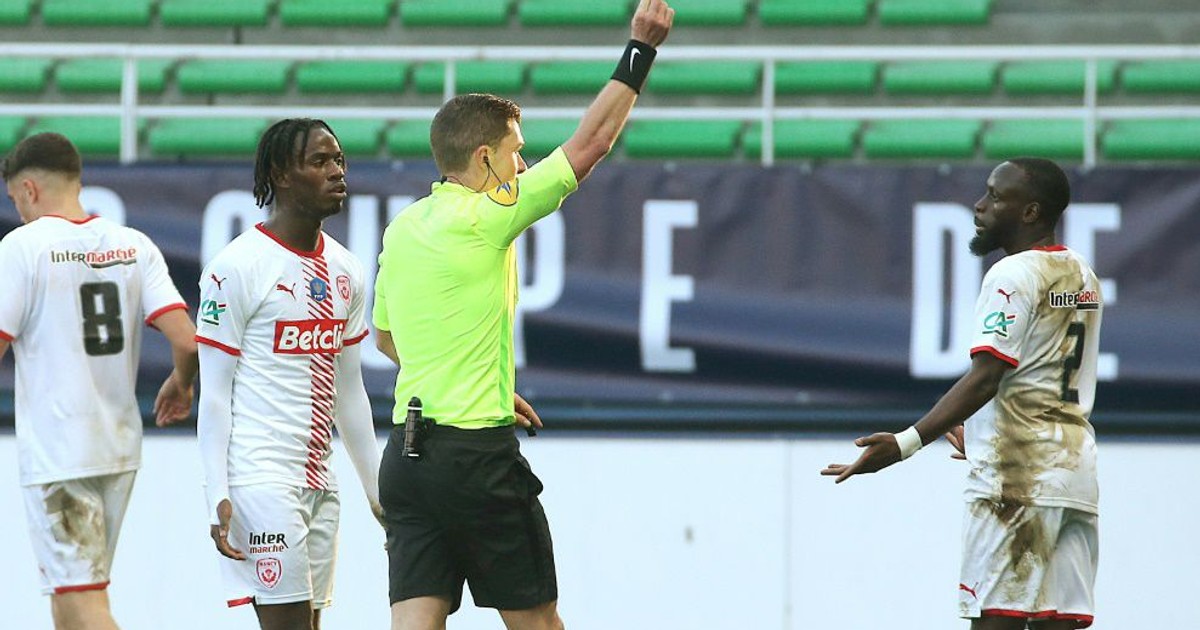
(220, 532)
(881, 451)
(174, 401)
(651, 22)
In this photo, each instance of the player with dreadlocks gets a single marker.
(281, 317)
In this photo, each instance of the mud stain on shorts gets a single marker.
(79, 525)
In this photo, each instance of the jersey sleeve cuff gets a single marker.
(355, 339)
(5, 335)
(996, 353)
(219, 346)
(166, 309)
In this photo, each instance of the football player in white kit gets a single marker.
(1030, 539)
(76, 291)
(280, 321)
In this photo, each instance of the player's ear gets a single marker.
(1032, 213)
(32, 189)
(280, 178)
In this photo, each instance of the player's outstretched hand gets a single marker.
(651, 22)
(377, 512)
(881, 451)
(174, 401)
(220, 533)
(955, 438)
(525, 415)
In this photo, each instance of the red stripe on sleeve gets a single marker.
(166, 309)
(996, 353)
(239, 602)
(218, 345)
(5, 336)
(353, 340)
(99, 586)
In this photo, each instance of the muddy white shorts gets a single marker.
(1033, 563)
(289, 537)
(74, 525)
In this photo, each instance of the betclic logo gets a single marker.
(309, 336)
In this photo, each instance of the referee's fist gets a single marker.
(651, 22)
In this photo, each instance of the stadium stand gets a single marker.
(104, 75)
(921, 139)
(187, 13)
(94, 135)
(334, 13)
(91, 13)
(809, 139)
(812, 12)
(205, 137)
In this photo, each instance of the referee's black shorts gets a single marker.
(466, 510)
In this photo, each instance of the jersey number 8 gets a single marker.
(103, 313)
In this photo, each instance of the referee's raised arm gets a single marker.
(604, 119)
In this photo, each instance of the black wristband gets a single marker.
(635, 65)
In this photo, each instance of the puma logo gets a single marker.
(291, 291)
(1007, 296)
(214, 279)
(964, 587)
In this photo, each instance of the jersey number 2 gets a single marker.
(1072, 362)
(103, 313)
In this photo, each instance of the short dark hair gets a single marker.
(45, 151)
(277, 152)
(1047, 185)
(464, 123)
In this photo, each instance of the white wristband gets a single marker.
(909, 442)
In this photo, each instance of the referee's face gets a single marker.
(508, 162)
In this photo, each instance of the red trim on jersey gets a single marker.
(5, 336)
(99, 586)
(75, 221)
(996, 353)
(321, 381)
(353, 340)
(218, 345)
(313, 254)
(239, 602)
(1051, 248)
(162, 311)
(1083, 621)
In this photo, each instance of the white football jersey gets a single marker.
(1039, 311)
(75, 296)
(286, 315)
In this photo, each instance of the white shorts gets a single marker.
(1039, 564)
(289, 536)
(74, 525)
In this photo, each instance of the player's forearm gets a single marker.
(354, 422)
(214, 424)
(383, 341)
(599, 128)
(965, 397)
(181, 334)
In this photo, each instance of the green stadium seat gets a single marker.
(712, 77)
(1157, 77)
(333, 13)
(921, 139)
(543, 136)
(10, 132)
(233, 76)
(15, 12)
(24, 74)
(206, 137)
(93, 13)
(812, 12)
(560, 13)
(409, 138)
(104, 75)
(709, 12)
(940, 77)
(933, 12)
(570, 77)
(805, 139)
(359, 136)
(1055, 77)
(1047, 138)
(214, 12)
(91, 135)
(816, 77)
(457, 13)
(496, 77)
(1152, 140)
(681, 138)
(352, 76)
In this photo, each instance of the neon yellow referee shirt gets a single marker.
(447, 293)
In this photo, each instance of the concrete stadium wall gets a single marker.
(671, 533)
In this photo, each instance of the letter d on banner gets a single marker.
(928, 356)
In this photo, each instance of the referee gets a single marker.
(467, 508)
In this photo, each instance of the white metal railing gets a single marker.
(1089, 112)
